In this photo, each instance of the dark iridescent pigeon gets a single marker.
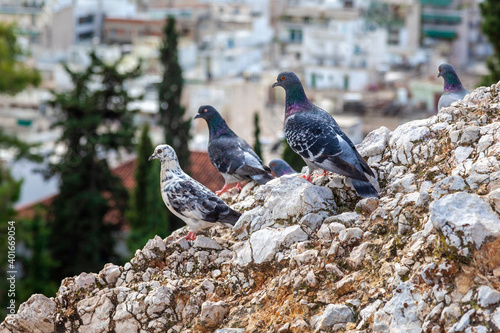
(189, 200)
(280, 167)
(230, 154)
(313, 134)
(453, 89)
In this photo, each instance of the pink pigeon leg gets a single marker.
(191, 236)
(224, 189)
(325, 173)
(307, 177)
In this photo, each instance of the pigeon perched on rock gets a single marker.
(453, 89)
(313, 134)
(280, 167)
(230, 154)
(189, 200)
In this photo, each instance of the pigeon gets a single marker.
(453, 89)
(230, 154)
(189, 200)
(313, 134)
(280, 167)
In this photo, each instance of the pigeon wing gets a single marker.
(192, 200)
(366, 168)
(311, 137)
(233, 155)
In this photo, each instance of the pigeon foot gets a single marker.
(191, 236)
(307, 177)
(325, 173)
(222, 190)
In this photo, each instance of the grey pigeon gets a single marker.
(453, 89)
(230, 154)
(189, 200)
(280, 167)
(313, 134)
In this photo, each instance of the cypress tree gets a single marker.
(172, 114)
(93, 123)
(257, 146)
(147, 215)
(490, 9)
(292, 158)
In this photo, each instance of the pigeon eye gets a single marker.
(282, 78)
(272, 164)
(440, 69)
(158, 151)
(205, 110)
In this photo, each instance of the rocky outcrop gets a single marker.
(423, 257)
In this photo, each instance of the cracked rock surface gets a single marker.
(423, 257)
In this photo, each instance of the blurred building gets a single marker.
(453, 29)
(332, 43)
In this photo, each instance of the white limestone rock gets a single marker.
(487, 296)
(375, 142)
(36, 315)
(399, 315)
(333, 314)
(266, 242)
(464, 214)
(495, 318)
(110, 273)
(212, 313)
(462, 153)
(85, 281)
(288, 199)
(203, 242)
(350, 236)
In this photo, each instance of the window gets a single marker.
(86, 19)
(295, 35)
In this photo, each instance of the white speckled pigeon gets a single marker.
(313, 134)
(189, 200)
(280, 167)
(453, 89)
(230, 154)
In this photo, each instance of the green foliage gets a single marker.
(147, 215)
(36, 261)
(490, 10)
(172, 114)
(292, 158)
(16, 75)
(9, 193)
(93, 122)
(257, 146)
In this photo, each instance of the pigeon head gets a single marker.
(280, 167)
(287, 80)
(166, 155)
(216, 124)
(296, 98)
(207, 112)
(451, 81)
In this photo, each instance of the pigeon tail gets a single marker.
(364, 189)
(230, 219)
(338, 165)
(262, 179)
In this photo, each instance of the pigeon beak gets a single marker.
(197, 116)
(152, 157)
(275, 84)
(439, 74)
